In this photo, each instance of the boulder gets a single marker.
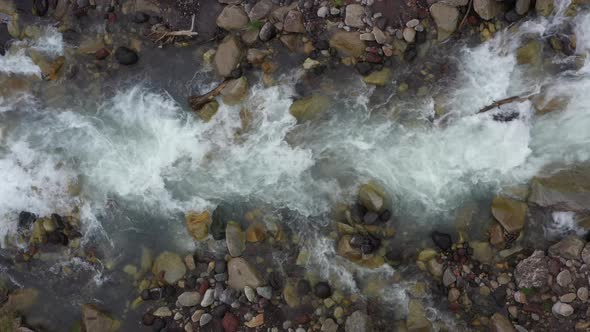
(267, 32)
(378, 78)
(530, 53)
(522, 6)
(242, 274)
(22, 299)
(344, 249)
(348, 43)
(260, 10)
(126, 56)
(532, 271)
(569, 248)
(198, 223)
(566, 190)
(372, 197)
(486, 9)
(235, 239)
(94, 320)
(232, 18)
(510, 213)
(309, 108)
(169, 266)
(416, 320)
(250, 36)
(354, 16)
(500, 323)
(293, 22)
(482, 252)
(446, 18)
(544, 7)
(358, 321)
(235, 91)
(206, 113)
(380, 36)
(228, 56)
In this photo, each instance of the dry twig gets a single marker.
(169, 36)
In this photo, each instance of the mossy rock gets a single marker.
(209, 110)
(309, 108)
(530, 53)
(378, 78)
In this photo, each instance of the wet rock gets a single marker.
(228, 56)
(140, 17)
(267, 32)
(562, 309)
(169, 266)
(206, 113)
(242, 274)
(435, 268)
(235, 91)
(448, 277)
(232, 18)
(446, 18)
(198, 223)
(290, 295)
(416, 320)
(511, 214)
(530, 53)
(265, 292)
(482, 252)
(220, 311)
(162, 312)
(322, 290)
(441, 240)
(544, 7)
(532, 271)
(256, 56)
(22, 299)
(522, 6)
(564, 278)
(486, 9)
(260, 10)
(354, 16)
(126, 56)
(189, 299)
(205, 319)
(348, 43)
(453, 294)
(25, 220)
(309, 108)
(567, 190)
(378, 78)
(409, 34)
(358, 321)
(293, 22)
(40, 7)
(569, 248)
(568, 298)
(230, 322)
(208, 298)
(94, 320)
(582, 294)
(511, 16)
(500, 323)
(329, 325)
(372, 197)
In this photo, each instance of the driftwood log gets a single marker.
(508, 100)
(197, 102)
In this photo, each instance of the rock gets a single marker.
(208, 298)
(309, 108)
(500, 323)
(348, 43)
(544, 7)
(582, 294)
(562, 309)
(140, 17)
(258, 320)
(189, 299)
(511, 214)
(409, 35)
(486, 9)
(293, 22)
(530, 53)
(378, 78)
(205, 319)
(358, 321)
(564, 278)
(372, 197)
(567, 298)
(345, 249)
(242, 274)
(329, 325)
(435, 268)
(566, 190)
(162, 312)
(22, 299)
(522, 6)
(250, 295)
(232, 18)
(569, 248)
(265, 292)
(206, 113)
(482, 252)
(256, 56)
(380, 36)
(260, 10)
(198, 223)
(442, 240)
(446, 19)
(310, 63)
(290, 295)
(416, 320)
(126, 56)
(267, 32)
(453, 294)
(322, 290)
(228, 56)
(250, 36)
(235, 91)
(354, 16)
(323, 12)
(169, 267)
(448, 277)
(94, 320)
(230, 322)
(532, 271)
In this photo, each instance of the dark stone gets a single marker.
(169, 291)
(83, 3)
(53, 238)
(220, 266)
(40, 7)
(219, 311)
(140, 17)
(512, 16)
(363, 68)
(275, 280)
(321, 44)
(148, 319)
(442, 240)
(381, 22)
(155, 294)
(373, 58)
(145, 295)
(385, 215)
(499, 295)
(158, 324)
(420, 37)
(267, 32)
(236, 73)
(303, 287)
(191, 282)
(63, 239)
(4, 38)
(230, 322)
(26, 220)
(370, 218)
(102, 54)
(505, 117)
(155, 20)
(126, 56)
(319, 70)
(322, 290)
(410, 54)
(58, 220)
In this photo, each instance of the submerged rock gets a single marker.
(372, 197)
(442, 240)
(446, 18)
(566, 190)
(358, 321)
(530, 53)
(169, 266)
(198, 223)
(235, 91)
(511, 214)
(378, 78)
(94, 320)
(322, 290)
(232, 18)
(544, 7)
(500, 323)
(309, 108)
(235, 239)
(348, 43)
(416, 320)
(126, 56)
(486, 9)
(242, 274)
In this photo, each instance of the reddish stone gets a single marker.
(472, 20)
(102, 54)
(230, 322)
(373, 58)
(112, 17)
(533, 308)
(203, 287)
(372, 50)
(303, 319)
(454, 306)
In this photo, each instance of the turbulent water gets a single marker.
(142, 152)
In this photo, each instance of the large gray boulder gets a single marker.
(569, 247)
(446, 18)
(532, 271)
(232, 18)
(567, 190)
(227, 56)
(486, 9)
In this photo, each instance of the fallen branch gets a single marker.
(197, 102)
(469, 5)
(505, 101)
(169, 36)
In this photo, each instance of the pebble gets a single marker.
(513, 310)
(177, 316)
(583, 294)
(189, 299)
(412, 23)
(334, 11)
(322, 290)
(567, 298)
(249, 292)
(265, 292)
(162, 312)
(564, 278)
(208, 298)
(520, 297)
(196, 316)
(448, 277)
(562, 309)
(205, 319)
(323, 12)
(454, 294)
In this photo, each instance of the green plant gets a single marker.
(256, 24)
(338, 3)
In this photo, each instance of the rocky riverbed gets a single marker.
(330, 166)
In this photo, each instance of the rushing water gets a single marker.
(142, 160)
